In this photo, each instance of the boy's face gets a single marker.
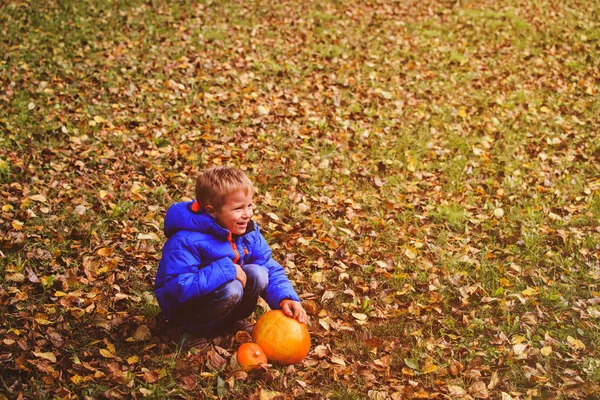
(236, 212)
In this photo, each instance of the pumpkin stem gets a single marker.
(257, 353)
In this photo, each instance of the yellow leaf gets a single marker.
(410, 252)
(418, 332)
(545, 109)
(317, 277)
(519, 348)
(575, 343)
(133, 360)
(17, 225)
(504, 282)
(110, 346)
(99, 119)
(429, 367)
(546, 350)
(529, 292)
(518, 339)
(268, 394)
(78, 379)
(105, 251)
(7, 208)
(46, 356)
(38, 197)
(462, 112)
(412, 164)
(18, 277)
(106, 353)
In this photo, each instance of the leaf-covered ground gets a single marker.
(428, 174)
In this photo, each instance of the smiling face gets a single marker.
(235, 214)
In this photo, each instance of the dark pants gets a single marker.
(229, 303)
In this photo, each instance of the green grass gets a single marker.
(394, 133)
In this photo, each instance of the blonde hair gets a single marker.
(213, 185)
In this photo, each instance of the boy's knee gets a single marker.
(230, 293)
(257, 274)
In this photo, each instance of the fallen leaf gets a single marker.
(479, 390)
(519, 348)
(148, 236)
(456, 391)
(105, 251)
(268, 394)
(134, 359)
(338, 360)
(17, 225)
(429, 366)
(410, 252)
(142, 333)
(46, 356)
(38, 197)
(575, 343)
(360, 316)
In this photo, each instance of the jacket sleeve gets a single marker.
(279, 287)
(183, 280)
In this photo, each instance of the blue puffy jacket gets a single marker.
(199, 256)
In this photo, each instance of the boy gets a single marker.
(215, 262)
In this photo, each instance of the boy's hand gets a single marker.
(241, 275)
(294, 309)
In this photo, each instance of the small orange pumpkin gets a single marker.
(251, 355)
(283, 339)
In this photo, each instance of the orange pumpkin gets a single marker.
(251, 355)
(283, 339)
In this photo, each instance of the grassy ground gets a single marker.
(428, 174)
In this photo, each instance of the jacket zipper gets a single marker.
(234, 248)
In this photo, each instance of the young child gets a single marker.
(215, 262)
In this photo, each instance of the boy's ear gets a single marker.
(209, 209)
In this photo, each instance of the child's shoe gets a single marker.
(190, 341)
(242, 325)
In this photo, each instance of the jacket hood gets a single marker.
(181, 217)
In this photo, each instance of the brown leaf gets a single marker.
(311, 307)
(105, 251)
(55, 338)
(188, 382)
(455, 368)
(215, 361)
(479, 390)
(151, 376)
(46, 356)
(31, 276)
(142, 333)
(242, 337)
